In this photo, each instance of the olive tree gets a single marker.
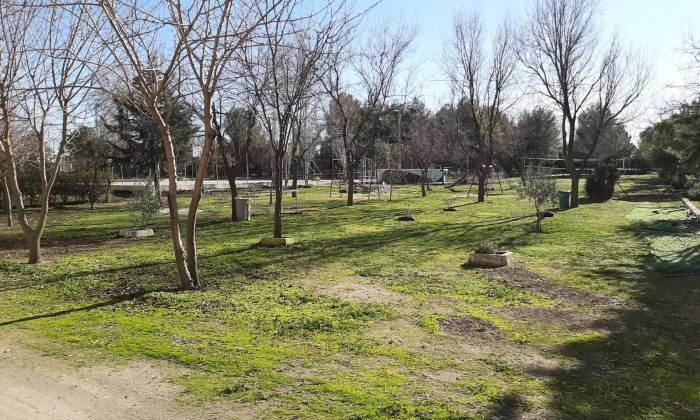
(539, 187)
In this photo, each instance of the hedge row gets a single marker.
(83, 187)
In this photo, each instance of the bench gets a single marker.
(693, 211)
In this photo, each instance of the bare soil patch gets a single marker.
(469, 327)
(569, 320)
(519, 278)
(35, 386)
(361, 290)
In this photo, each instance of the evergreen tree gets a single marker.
(138, 144)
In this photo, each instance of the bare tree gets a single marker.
(14, 20)
(211, 32)
(146, 65)
(423, 136)
(482, 81)
(281, 74)
(308, 129)
(58, 59)
(691, 65)
(376, 64)
(561, 47)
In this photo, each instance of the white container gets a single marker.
(243, 209)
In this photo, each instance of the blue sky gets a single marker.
(655, 26)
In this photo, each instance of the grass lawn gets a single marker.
(369, 317)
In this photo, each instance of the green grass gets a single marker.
(348, 323)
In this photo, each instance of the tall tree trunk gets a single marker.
(156, 179)
(295, 175)
(571, 164)
(210, 134)
(423, 178)
(230, 170)
(93, 188)
(351, 181)
(186, 280)
(575, 177)
(34, 246)
(7, 202)
(482, 186)
(279, 166)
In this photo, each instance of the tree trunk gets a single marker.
(186, 280)
(295, 175)
(575, 177)
(539, 221)
(7, 202)
(279, 165)
(482, 186)
(423, 178)
(234, 194)
(93, 189)
(231, 176)
(210, 134)
(571, 164)
(156, 179)
(34, 245)
(351, 181)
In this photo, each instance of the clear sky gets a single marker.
(657, 27)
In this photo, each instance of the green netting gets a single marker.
(677, 253)
(674, 242)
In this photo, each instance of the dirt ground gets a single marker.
(35, 386)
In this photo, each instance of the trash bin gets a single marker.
(243, 209)
(564, 200)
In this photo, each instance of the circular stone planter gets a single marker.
(449, 209)
(406, 219)
(135, 233)
(497, 259)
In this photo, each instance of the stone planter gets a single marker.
(273, 242)
(497, 259)
(135, 233)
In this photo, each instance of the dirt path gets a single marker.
(34, 386)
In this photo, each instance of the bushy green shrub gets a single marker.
(486, 247)
(694, 189)
(83, 187)
(601, 185)
(30, 185)
(144, 205)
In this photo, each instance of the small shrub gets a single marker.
(539, 187)
(144, 205)
(694, 190)
(601, 185)
(486, 247)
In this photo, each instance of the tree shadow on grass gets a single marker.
(648, 366)
(361, 247)
(86, 308)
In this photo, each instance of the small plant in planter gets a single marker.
(143, 206)
(486, 254)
